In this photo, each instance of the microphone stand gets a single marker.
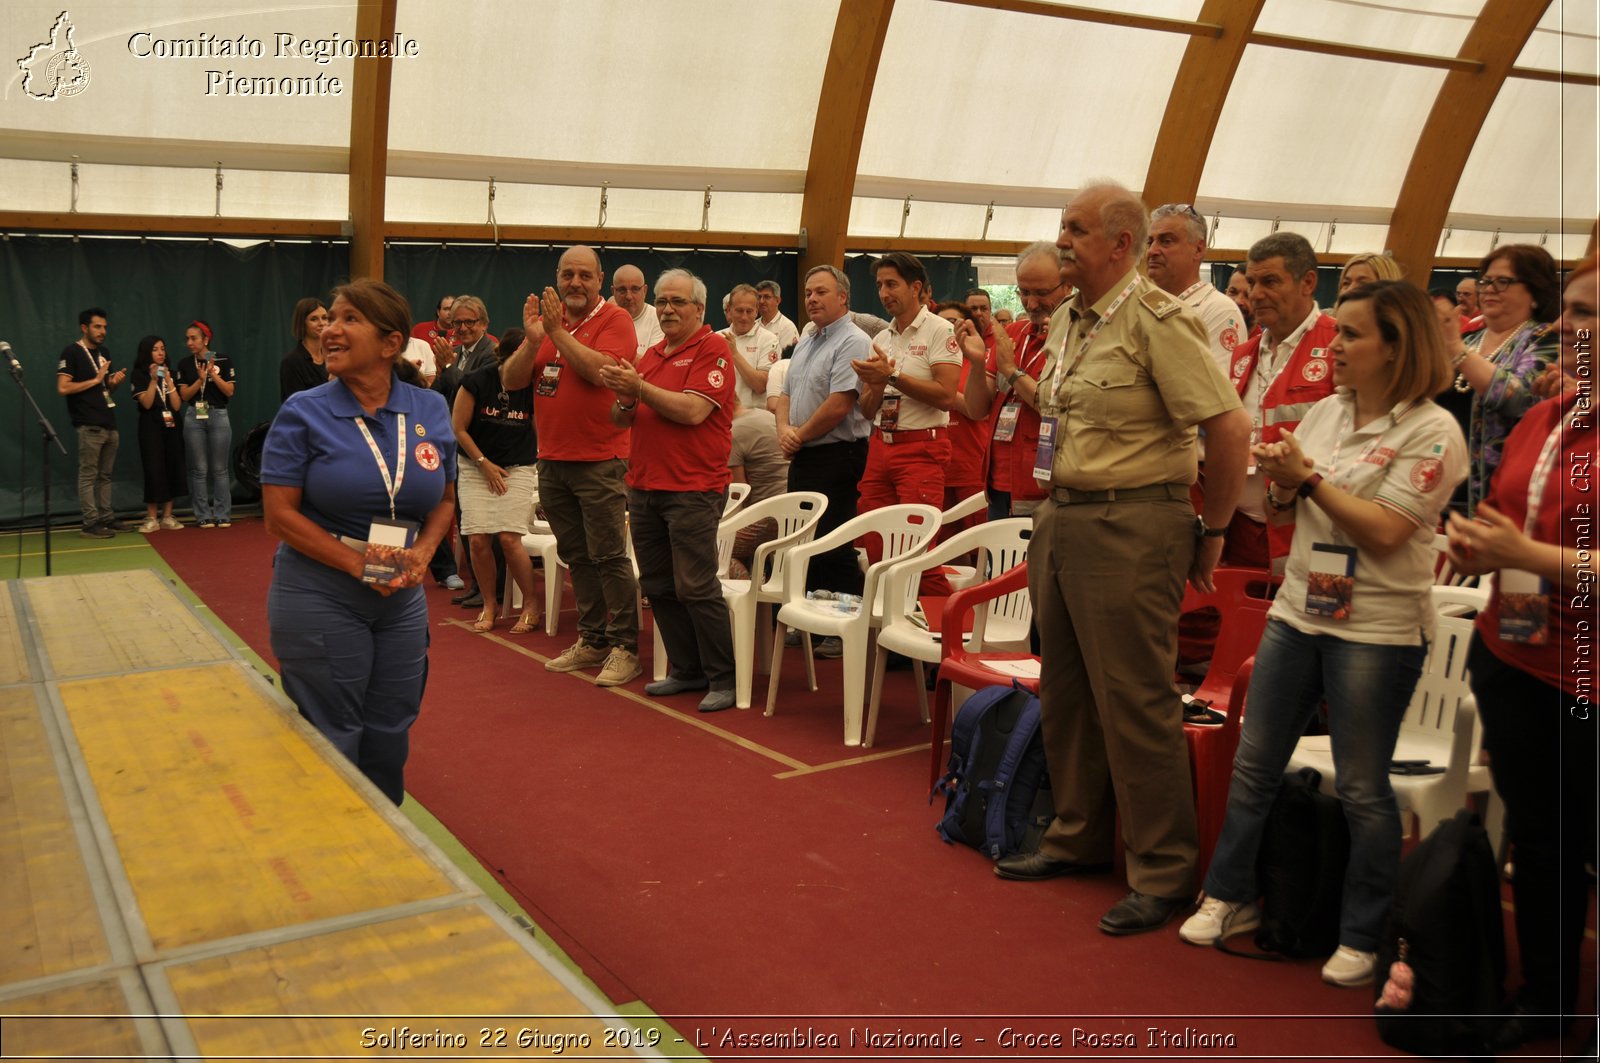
(48, 436)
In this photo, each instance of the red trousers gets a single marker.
(908, 470)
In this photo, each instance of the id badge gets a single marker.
(1331, 583)
(548, 380)
(1524, 607)
(202, 410)
(387, 541)
(1250, 451)
(1044, 459)
(110, 402)
(166, 418)
(889, 413)
(1005, 428)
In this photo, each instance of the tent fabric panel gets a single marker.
(936, 117)
(1536, 155)
(1279, 139)
(1566, 39)
(1439, 30)
(627, 81)
(172, 191)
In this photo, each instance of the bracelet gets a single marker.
(1309, 485)
(480, 459)
(628, 408)
(1278, 506)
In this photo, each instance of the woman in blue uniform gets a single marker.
(344, 463)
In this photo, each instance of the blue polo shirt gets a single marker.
(821, 367)
(314, 445)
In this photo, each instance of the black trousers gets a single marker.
(1541, 744)
(675, 540)
(834, 469)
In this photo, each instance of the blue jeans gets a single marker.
(207, 444)
(1368, 687)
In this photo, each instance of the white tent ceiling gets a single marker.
(657, 99)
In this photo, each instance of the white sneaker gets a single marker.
(1349, 967)
(150, 526)
(171, 524)
(620, 667)
(1218, 919)
(577, 656)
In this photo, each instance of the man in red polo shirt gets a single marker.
(583, 457)
(1008, 382)
(679, 403)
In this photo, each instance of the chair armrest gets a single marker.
(959, 607)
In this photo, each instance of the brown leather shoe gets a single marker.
(1036, 867)
(1138, 912)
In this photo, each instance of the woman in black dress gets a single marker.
(160, 434)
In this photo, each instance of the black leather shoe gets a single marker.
(662, 688)
(1523, 1024)
(1036, 867)
(1138, 912)
(472, 600)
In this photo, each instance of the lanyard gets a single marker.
(598, 306)
(1083, 345)
(1543, 468)
(390, 485)
(1346, 428)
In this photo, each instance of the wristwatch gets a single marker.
(894, 378)
(1309, 485)
(1203, 532)
(1011, 381)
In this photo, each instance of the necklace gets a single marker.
(1461, 385)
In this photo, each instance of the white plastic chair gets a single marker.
(960, 576)
(1474, 598)
(750, 601)
(737, 493)
(540, 542)
(903, 530)
(1440, 726)
(1001, 625)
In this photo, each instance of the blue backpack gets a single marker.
(997, 788)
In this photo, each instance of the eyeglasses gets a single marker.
(1168, 209)
(1499, 284)
(1039, 293)
(627, 289)
(677, 302)
(467, 322)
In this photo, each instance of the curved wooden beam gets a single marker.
(858, 36)
(369, 141)
(1459, 111)
(1198, 94)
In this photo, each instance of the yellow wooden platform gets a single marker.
(187, 870)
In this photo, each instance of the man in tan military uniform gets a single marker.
(1128, 377)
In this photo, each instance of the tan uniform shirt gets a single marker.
(1126, 412)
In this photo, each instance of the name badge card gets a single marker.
(387, 542)
(1005, 427)
(889, 413)
(1331, 583)
(166, 418)
(1044, 458)
(548, 380)
(1524, 607)
(202, 410)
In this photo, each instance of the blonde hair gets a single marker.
(1383, 266)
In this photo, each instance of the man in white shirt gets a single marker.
(755, 349)
(1174, 251)
(908, 385)
(768, 295)
(629, 291)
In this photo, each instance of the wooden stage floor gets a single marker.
(188, 871)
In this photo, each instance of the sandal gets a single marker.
(528, 622)
(485, 621)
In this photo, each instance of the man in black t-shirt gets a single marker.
(85, 378)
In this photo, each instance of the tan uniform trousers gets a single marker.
(1107, 580)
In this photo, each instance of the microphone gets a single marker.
(11, 359)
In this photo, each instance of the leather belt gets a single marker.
(1069, 496)
(907, 435)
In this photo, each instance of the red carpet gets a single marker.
(683, 869)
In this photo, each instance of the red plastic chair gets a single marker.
(1211, 749)
(965, 667)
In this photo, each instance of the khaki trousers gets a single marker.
(1107, 580)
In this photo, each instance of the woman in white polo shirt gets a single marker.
(1365, 477)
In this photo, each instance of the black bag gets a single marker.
(1444, 952)
(1305, 847)
(997, 789)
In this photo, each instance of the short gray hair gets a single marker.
(1039, 249)
(1191, 218)
(472, 302)
(1299, 258)
(696, 285)
(771, 286)
(1123, 212)
(836, 272)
